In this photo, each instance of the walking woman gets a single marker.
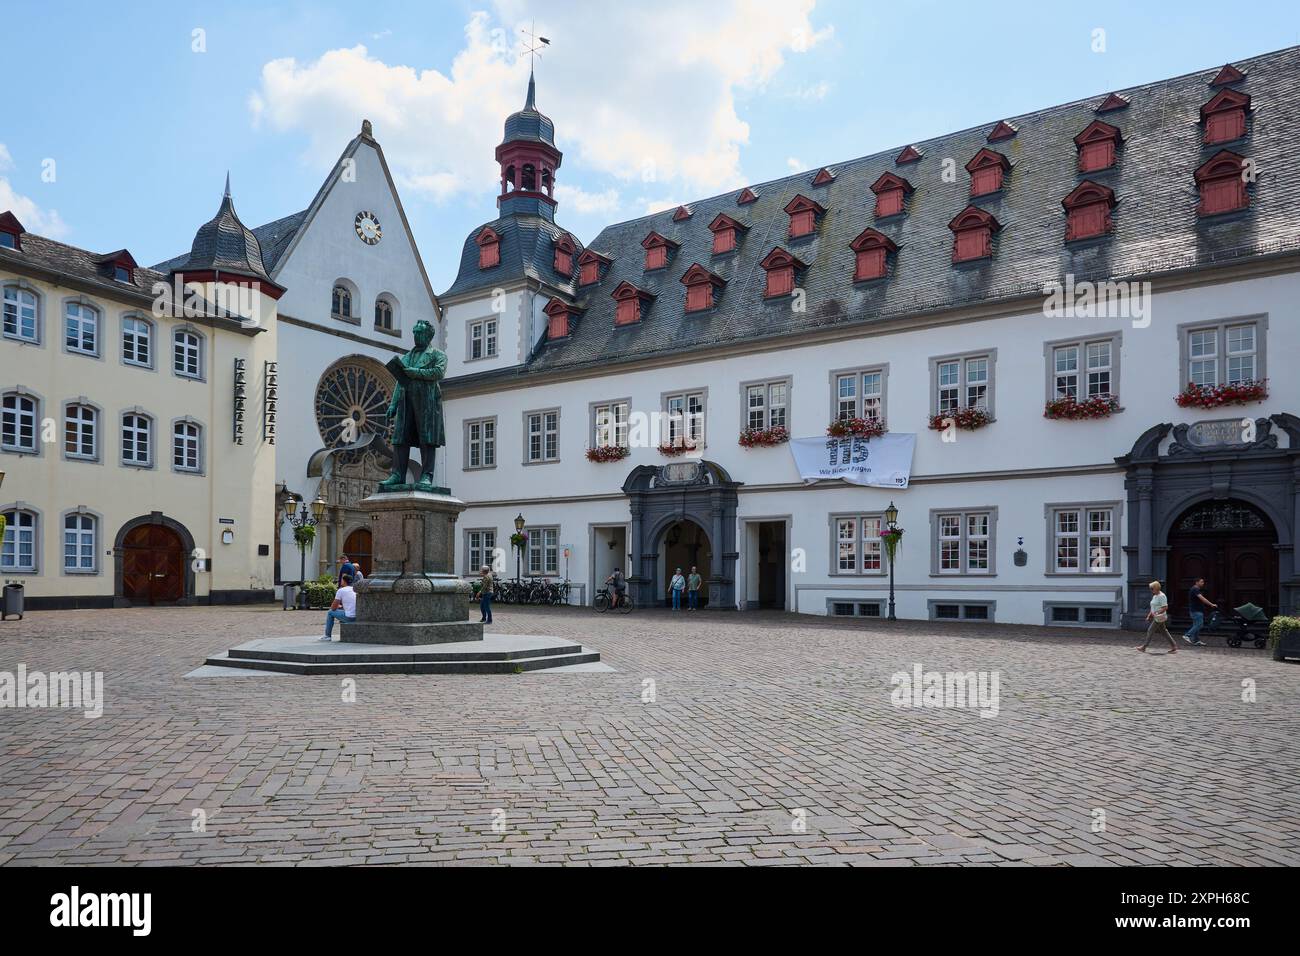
(487, 587)
(1158, 616)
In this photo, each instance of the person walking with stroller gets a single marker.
(487, 591)
(1195, 602)
(678, 584)
(1158, 616)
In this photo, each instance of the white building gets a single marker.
(900, 287)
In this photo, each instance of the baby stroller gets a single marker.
(1247, 623)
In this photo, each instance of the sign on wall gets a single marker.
(239, 397)
(882, 462)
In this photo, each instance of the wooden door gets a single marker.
(1252, 574)
(153, 565)
(358, 549)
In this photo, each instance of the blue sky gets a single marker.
(654, 104)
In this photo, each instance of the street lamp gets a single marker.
(891, 525)
(304, 519)
(519, 548)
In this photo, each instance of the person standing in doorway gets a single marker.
(1195, 602)
(678, 585)
(487, 590)
(1158, 617)
(693, 588)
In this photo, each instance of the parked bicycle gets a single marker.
(604, 600)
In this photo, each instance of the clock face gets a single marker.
(367, 227)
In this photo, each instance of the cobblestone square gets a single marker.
(763, 739)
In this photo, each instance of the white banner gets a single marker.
(883, 462)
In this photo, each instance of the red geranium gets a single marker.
(968, 419)
(856, 428)
(762, 437)
(1216, 396)
(1098, 406)
(603, 453)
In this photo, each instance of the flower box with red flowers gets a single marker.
(1216, 396)
(967, 419)
(678, 447)
(763, 437)
(1069, 407)
(603, 453)
(856, 428)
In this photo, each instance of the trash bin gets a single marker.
(13, 601)
(290, 592)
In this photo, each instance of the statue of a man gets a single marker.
(416, 409)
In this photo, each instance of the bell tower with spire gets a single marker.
(528, 160)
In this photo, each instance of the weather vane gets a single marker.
(535, 46)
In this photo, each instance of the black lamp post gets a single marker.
(519, 550)
(305, 519)
(891, 524)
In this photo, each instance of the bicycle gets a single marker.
(603, 601)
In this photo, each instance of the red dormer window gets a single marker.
(891, 191)
(11, 231)
(1097, 146)
(909, 154)
(565, 247)
(972, 234)
(628, 302)
(986, 169)
(872, 249)
(560, 315)
(658, 249)
(589, 265)
(1087, 211)
(1002, 131)
(119, 266)
(700, 288)
(803, 214)
(1221, 184)
(746, 197)
(825, 176)
(683, 212)
(1224, 117)
(726, 232)
(489, 248)
(781, 268)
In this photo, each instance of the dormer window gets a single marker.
(872, 249)
(658, 250)
(746, 197)
(1221, 184)
(972, 234)
(1002, 131)
(564, 250)
(489, 248)
(825, 176)
(781, 268)
(118, 266)
(560, 316)
(1096, 146)
(683, 212)
(908, 155)
(11, 231)
(986, 170)
(803, 214)
(700, 288)
(1087, 209)
(1224, 117)
(726, 233)
(589, 266)
(891, 192)
(629, 303)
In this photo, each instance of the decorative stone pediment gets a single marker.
(1224, 434)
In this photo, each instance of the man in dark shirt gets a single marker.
(1196, 601)
(618, 584)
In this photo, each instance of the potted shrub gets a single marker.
(1284, 638)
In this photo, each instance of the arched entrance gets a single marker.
(1233, 545)
(358, 548)
(685, 545)
(152, 562)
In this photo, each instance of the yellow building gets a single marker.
(137, 421)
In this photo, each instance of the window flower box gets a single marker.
(967, 419)
(857, 428)
(1216, 396)
(1071, 408)
(763, 437)
(604, 453)
(679, 447)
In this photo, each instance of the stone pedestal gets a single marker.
(413, 595)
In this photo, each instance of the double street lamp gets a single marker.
(891, 528)
(299, 521)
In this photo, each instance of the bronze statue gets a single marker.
(416, 410)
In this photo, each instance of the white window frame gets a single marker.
(685, 412)
(16, 415)
(480, 548)
(83, 316)
(183, 351)
(84, 539)
(18, 518)
(544, 424)
(131, 433)
(480, 439)
(1092, 525)
(13, 307)
(765, 403)
(543, 557)
(859, 392)
(80, 417)
(856, 536)
(963, 384)
(611, 423)
(483, 335)
(1219, 332)
(953, 532)
(195, 439)
(131, 341)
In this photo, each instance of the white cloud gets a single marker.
(794, 163)
(813, 91)
(583, 202)
(660, 97)
(43, 222)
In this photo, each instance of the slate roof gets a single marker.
(273, 237)
(527, 250)
(1156, 228)
(79, 264)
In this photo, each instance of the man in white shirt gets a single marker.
(1159, 616)
(343, 608)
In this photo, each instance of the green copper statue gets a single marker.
(416, 410)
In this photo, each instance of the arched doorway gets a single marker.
(1233, 545)
(154, 563)
(358, 548)
(685, 545)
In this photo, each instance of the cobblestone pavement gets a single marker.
(761, 723)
